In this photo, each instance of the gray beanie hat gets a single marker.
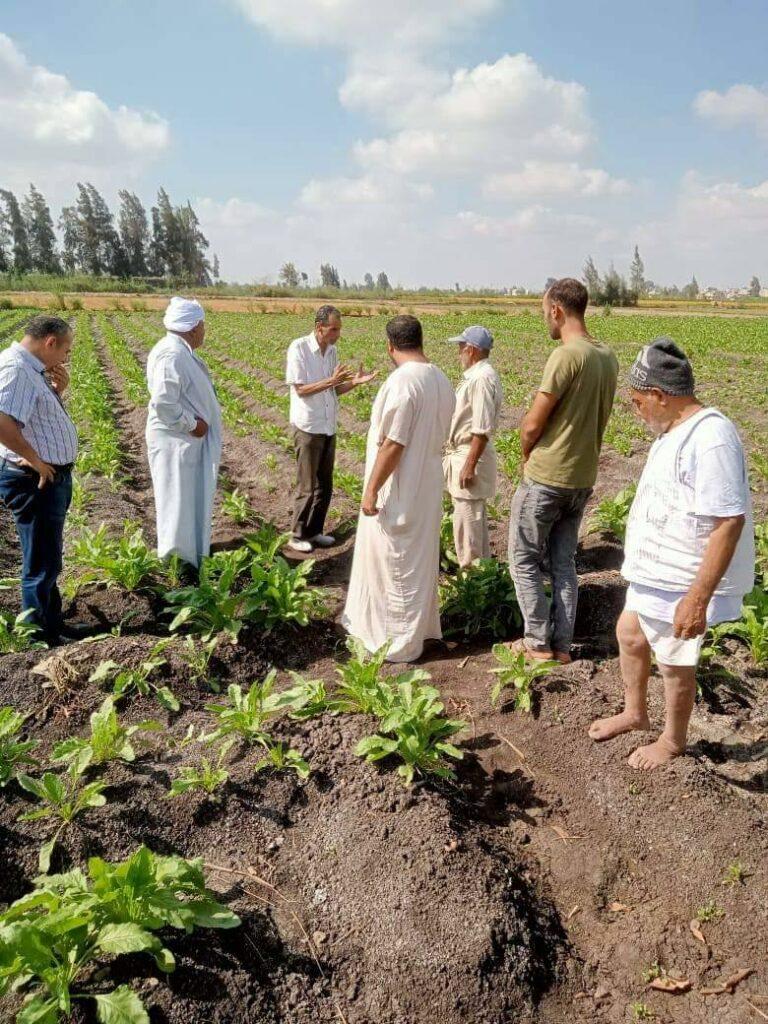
(664, 366)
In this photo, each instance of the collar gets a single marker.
(475, 370)
(314, 344)
(182, 341)
(37, 365)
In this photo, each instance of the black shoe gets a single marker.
(72, 631)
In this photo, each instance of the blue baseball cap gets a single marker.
(477, 337)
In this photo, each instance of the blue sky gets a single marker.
(487, 142)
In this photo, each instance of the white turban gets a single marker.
(182, 315)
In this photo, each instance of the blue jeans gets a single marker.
(544, 532)
(39, 516)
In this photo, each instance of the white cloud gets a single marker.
(553, 179)
(739, 105)
(536, 218)
(42, 115)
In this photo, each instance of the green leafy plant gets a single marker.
(197, 657)
(516, 672)
(207, 775)
(14, 751)
(640, 1011)
(360, 687)
(753, 625)
(735, 874)
(414, 730)
(236, 506)
(110, 740)
(307, 697)
(479, 601)
(709, 912)
(279, 757)
(53, 937)
(126, 681)
(214, 605)
(244, 715)
(62, 798)
(126, 562)
(611, 514)
(17, 633)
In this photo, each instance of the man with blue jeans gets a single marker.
(38, 446)
(561, 436)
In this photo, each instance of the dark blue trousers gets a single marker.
(39, 516)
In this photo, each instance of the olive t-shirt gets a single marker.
(582, 374)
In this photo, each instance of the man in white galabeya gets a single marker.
(470, 459)
(392, 594)
(689, 551)
(183, 436)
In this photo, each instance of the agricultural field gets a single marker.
(365, 846)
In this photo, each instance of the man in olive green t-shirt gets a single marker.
(561, 436)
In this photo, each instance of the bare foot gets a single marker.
(606, 728)
(655, 754)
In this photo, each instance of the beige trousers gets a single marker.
(470, 530)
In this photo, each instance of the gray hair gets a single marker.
(43, 325)
(325, 313)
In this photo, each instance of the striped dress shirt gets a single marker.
(26, 395)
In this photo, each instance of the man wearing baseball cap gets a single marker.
(689, 551)
(469, 463)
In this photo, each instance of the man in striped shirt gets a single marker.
(38, 445)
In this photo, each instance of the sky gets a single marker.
(488, 143)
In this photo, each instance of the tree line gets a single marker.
(168, 244)
(291, 277)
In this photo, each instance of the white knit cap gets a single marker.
(182, 315)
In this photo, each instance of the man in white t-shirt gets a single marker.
(689, 551)
(316, 379)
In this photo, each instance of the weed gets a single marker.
(709, 912)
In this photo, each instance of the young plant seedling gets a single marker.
(414, 730)
(17, 633)
(127, 562)
(281, 758)
(517, 672)
(244, 715)
(127, 681)
(197, 657)
(206, 776)
(236, 506)
(63, 798)
(709, 912)
(54, 936)
(110, 740)
(360, 687)
(611, 514)
(307, 697)
(735, 874)
(14, 751)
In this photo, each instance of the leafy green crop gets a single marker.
(517, 672)
(126, 562)
(126, 681)
(17, 633)
(207, 775)
(63, 798)
(13, 751)
(414, 730)
(52, 938)
(753, 625)
(480, 601)
(110, 740)
(245, 715)
(281, 758)
(611, 514)
(360, 688)
(236, 506)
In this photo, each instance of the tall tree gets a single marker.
(5, 245)
(40, 233)
(195, 266)
(591, 277)
(289, 275)
(68, 226)
(134, 233)
(368, 281)
(112, 255)
(156, 250)
(170, 235)
(754, 287)
(691, 291)
(215, 269)
(89, 255)
(329, 276)
(637, 274)
(17, 229)
(382, 282)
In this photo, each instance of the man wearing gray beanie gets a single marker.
(689, 550)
